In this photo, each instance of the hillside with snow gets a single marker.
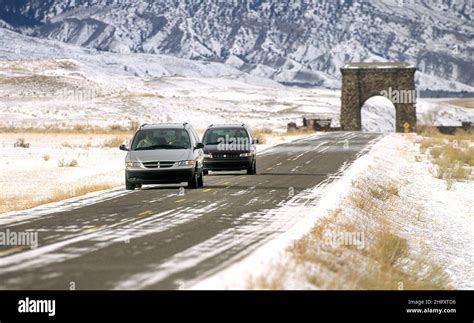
(290, 42)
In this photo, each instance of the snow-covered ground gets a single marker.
(439, 113)
(443, 230)
(34, 174)
(65, 93)
(42, 93)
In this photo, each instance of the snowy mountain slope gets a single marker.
(296, 42)
(110, 68)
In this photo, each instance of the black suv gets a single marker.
(229, 147)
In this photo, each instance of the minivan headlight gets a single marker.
(186, 163)
(245, 154)
(207, 156)
(133, 164)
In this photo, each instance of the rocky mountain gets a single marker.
(290, 41)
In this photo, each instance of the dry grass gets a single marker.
(361, 200)
(263, 134)
(273, 282)
(66, 145)
(452, 155)
(388, 248)
(18, 203)
(430, 142)
(114, 142)
(68, 163)
(383, 192)
(146, 95)
(385, 261)
(301, 131)
(76, 129)
(21, 143)
(464, 103)
(46, 157)
(426, 131)
(367, 194)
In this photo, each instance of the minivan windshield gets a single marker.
(215, 136)
(168, 138)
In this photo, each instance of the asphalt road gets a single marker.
(157, 238)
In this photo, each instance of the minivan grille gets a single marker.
(225, 155)
(158, 164)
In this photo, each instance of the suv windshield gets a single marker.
(161, 139)
(218, 136)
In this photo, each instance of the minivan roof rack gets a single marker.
(144, 124)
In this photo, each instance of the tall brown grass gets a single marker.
(75, 129)
(114, 142)
(263, 134)
(465, 103)
(17, 203)
(452, 155)
(386, 260)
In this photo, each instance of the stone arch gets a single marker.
(361, 81)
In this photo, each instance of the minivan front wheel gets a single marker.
(129, 185)
(201, 179)
(194, 182)
(252, 170)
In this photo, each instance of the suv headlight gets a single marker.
(245, 154)
(133, 164)
(186, 163)
(207, 156)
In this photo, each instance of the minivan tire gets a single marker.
(201, 179)
(194, 183)
(252, 170)
(128, 185)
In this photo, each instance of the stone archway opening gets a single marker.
(394, 80)
(378, 114)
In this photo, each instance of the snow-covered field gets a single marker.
(41, 171)
(442, 231)
(55, 95)
(63, 93)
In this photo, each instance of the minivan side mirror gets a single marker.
(123, 147)
(199, 145)
(256, 141)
